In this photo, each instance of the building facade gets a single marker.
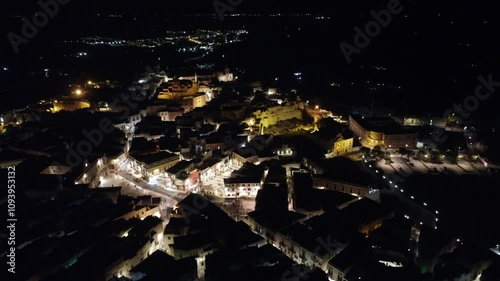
(342, 146)
(177, 89)
(345, 187)
(153, 164)
(273, 115)
(167, 116)
(383, 132)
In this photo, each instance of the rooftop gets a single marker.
(346, 170)
(202, 239)
(159, 264)
(180, 166)
(275, 220)
(154, 157)
(385, 125)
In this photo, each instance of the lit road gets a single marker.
(410, 206)
(171, 198)
(136, 186)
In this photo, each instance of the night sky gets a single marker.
(434, 49)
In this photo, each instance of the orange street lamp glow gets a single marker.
(78, 92)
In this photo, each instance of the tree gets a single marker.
(377, 152)
(452, 156)
(388, 158)
(410, 154)
(365, 151)
(421, 154)
(435, 157)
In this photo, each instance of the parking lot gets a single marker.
(410, 166)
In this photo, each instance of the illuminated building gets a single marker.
(167, 116)
(245, 182)
(288, 232)
(212, 167)
(153, 164)
(184, 176)
(381, 131)
(142, 212)
(177, 89)
(346, 187)
(285, 151)
(273, 115)
(96, 170)
(148, 235)
(342, 146)
(192, 102)
(227, 76)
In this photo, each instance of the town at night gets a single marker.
(248, 140)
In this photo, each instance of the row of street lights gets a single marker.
(391, 183)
